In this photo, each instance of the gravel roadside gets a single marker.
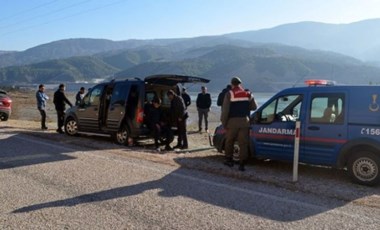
(316, 180)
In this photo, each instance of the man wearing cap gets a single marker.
(236, 108)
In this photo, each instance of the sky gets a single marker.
(28, 23)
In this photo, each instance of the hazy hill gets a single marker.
(359, 39)
(262, 68)
(84, 47)
(312, 50)
(267, 67)
(56, 71)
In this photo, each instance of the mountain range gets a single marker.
(266, 60)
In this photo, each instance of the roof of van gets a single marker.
(172, 79)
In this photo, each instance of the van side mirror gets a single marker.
(295, 113)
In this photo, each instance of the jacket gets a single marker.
(177, 108)
(41, 99)
(236, 107)
(59, 100)
(204, 101)
(221, 96)
(186, 98)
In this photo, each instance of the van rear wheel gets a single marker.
(363, 168)
(121, 136)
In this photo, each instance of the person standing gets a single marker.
(41, 104)
(79, 96)
(203, 107)
(236, 108)
(186, 97)
(221, 95)
(59, 101)
(179, 116)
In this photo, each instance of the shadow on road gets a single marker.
(193, 184)
(38, 151)
(188, 181)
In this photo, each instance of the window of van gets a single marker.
(94, 97)
(285, 108)
(327, 108)
(119, 94)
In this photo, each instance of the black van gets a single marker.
(116, 108)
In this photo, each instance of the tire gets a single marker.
(121, 136)
(3, 117)
(164, 140)
(363, 168)
(71, 127)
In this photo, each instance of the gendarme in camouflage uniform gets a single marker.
(237, 105)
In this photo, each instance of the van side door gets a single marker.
(117, 103)
(273, 130)
(88, 111)
(324, 130)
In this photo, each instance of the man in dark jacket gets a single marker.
(222, 94)
(186, 97)
(79, 96)
(59, 101)
(179, 115)
(158, 125)
(203, 107)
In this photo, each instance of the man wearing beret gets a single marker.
(236, 108)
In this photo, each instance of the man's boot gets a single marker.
(241, 167)
(229, 162)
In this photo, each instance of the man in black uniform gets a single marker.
(59, 101)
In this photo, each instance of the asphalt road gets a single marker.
(49, 185)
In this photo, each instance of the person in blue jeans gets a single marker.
(41, 104)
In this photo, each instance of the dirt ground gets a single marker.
(25, 115)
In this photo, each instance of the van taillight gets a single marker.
(140, 115)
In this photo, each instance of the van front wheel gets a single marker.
(71, 126)
(363, 168)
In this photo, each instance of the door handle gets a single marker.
(314, 128)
